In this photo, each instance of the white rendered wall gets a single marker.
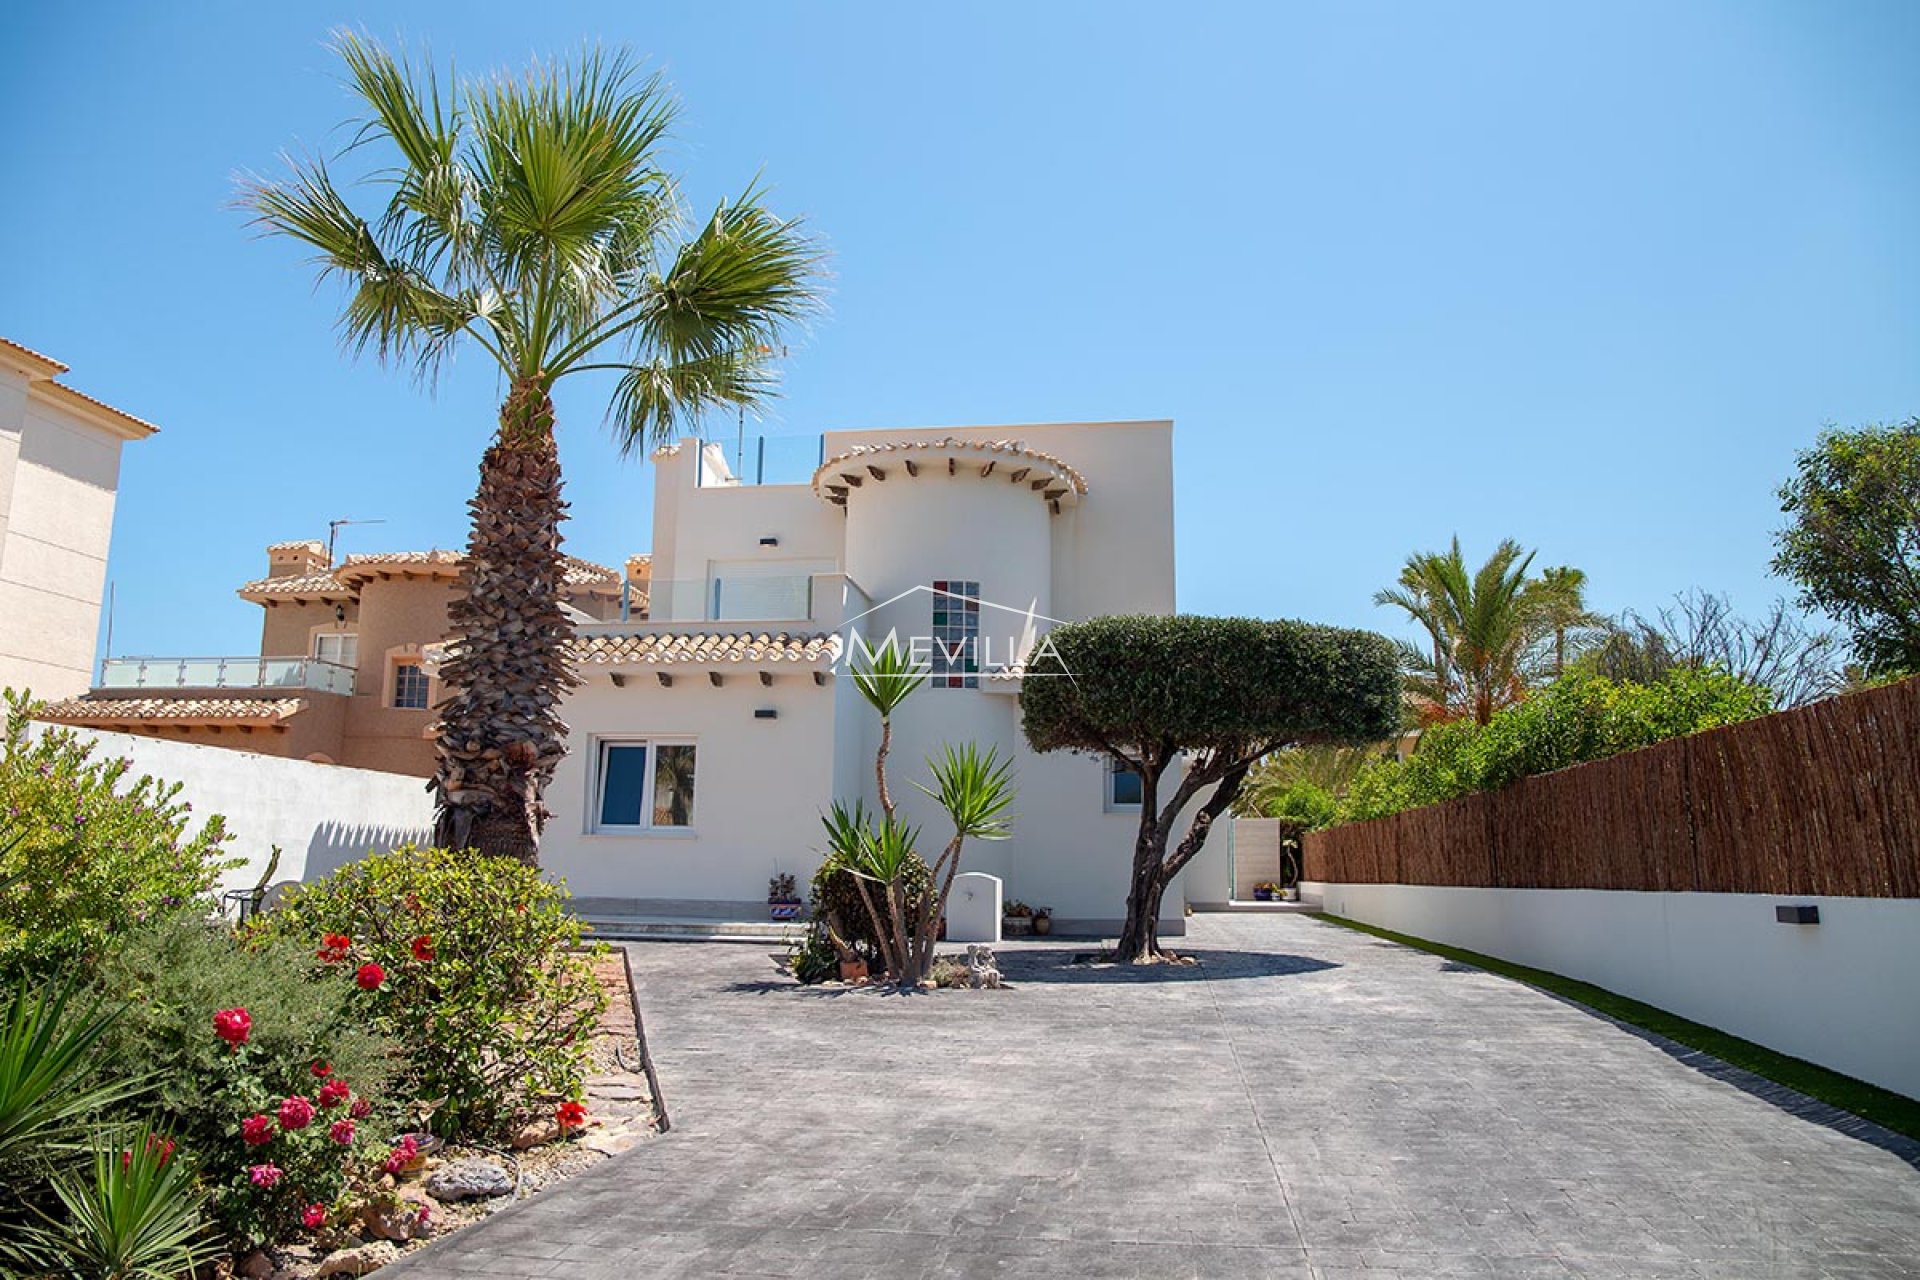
(322, 816)
(53, 552)
(759, 789)
(1839, 993)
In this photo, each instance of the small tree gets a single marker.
(903, 896)
(1223, 691)
(1854, 541)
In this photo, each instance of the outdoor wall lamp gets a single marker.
(1796, 914)
(769, 542)
(339, 613)
(766, 713)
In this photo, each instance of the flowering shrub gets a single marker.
(264, 1056)
(85, 853)
(470, 962)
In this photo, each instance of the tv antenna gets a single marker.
(333, 532)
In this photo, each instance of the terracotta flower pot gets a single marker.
(1043, 924)
(852, 970)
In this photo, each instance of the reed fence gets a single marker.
(1820, 800)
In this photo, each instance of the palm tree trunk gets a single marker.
(500, 734)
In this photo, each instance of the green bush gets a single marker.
(137, 1212)
(472, 963)
(1578, 718)
(305, 1030)
(835, 894)
(88, 855)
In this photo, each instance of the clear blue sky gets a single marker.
(1586, 275)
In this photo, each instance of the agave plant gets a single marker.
(136, 1215)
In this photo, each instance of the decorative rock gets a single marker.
(357, 1262)
(537, 1134)
(613, 1140)
(391, 1220)
(469, 1180)
(256, 1265)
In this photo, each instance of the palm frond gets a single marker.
(655, 401)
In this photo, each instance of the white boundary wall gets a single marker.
(1840, 993)
(321, 815)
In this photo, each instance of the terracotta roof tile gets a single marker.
(655, 648)
(42, 357)
(345, 579)
(95, 711)
(1015, 451)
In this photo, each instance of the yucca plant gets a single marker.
(882, 856)
(533, 219)
(47, 1088)
(136, 1215)
(886, 677)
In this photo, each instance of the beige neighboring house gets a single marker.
(346, 672)
(59, 473)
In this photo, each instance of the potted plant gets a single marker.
(1043, 920)
(1017, 918)
(1289, 888)
(783, 897)
(854, 970)
(1266, 891)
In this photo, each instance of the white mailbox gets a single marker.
(973, 911)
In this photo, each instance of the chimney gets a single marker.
(296, 559)
(640, 571)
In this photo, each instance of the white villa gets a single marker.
(708, 738)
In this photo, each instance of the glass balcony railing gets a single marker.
(745, 460)
(226, 673)
(785, 598)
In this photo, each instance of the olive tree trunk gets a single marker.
(1153, 867)
(500, 735)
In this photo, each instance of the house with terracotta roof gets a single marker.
(346, 669)
(59, 477)
(708, 737)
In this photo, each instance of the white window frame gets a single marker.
(1109, 770)
(342, 637)
(597, 786)
(393, 683)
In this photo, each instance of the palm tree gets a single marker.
(532, 219)
(1419, 592)
(1561, 595)
(1482, 623)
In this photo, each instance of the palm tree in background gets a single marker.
(1482, 622)
(532, 219)
(1560, 593)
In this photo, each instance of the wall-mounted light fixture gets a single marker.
(766, 713)
(1796, 913)
(769, 542)
(339, 613)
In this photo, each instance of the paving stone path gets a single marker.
(1308, 1102)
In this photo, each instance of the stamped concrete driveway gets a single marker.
(1309, 1102)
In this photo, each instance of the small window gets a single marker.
(409, 686)
(1123, 786)
(643, 785)
(342, 648)
(956, 634)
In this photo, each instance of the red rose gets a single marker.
(570, 1115)
(334, 1092)
(370, 976)
(423, 948)
(265, 1176)
(163, 1145)
(315, 1216)
(256, 1130)
(321, 1070)
(342, 1132)
(334, 947)
(296, 1113)
(360, 1109)
(233, 1026)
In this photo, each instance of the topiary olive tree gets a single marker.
(1222, 691)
